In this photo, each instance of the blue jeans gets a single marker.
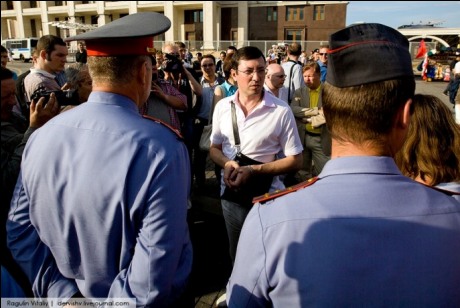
(453, 90)
(234, 216)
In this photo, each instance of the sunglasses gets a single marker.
(323, 54)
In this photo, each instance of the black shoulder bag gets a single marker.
(257, 184)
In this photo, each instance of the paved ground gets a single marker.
(212, 264)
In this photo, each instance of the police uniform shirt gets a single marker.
(379, 239)
(108, 195)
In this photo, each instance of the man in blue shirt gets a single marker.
(323, 61)
(100, 207)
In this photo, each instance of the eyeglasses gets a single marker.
(279, 76)
(323, 54)
(250, 73)
(207, 65)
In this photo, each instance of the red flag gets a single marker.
(421, 50)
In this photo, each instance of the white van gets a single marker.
(21, 49)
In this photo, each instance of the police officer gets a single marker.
(100, 207)
(362, 234)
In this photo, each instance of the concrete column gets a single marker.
(209, 19)
(103, 18)
(169, 12)
(218, 27)
(132, 7)
(45, 26)
(19, 20)
(243, 13)
(71, 10)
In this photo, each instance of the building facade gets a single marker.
(204, 24)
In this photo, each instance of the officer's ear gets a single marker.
(406, 114)
(144, 74)
(400, 126)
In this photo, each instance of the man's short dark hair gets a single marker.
(6, 74)
(3, 49)
(295, 49)
(209, 56)
(248, 53)
(48, 43)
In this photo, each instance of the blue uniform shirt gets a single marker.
(362, 235)
(107, 192)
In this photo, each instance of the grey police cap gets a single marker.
(367, 53)
(129, 35)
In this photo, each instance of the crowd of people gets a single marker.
(334, 189)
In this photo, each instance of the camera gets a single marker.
(64, 98)
(171, 64)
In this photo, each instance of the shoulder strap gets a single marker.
(290, 80)
(271, 196)
(172, 129)
(236, 135)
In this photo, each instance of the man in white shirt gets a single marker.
(274, 81)
(265, 127)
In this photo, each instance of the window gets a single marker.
(94, 20)
(272, 13)
(58, 3)
(9, 5)
(33, 27)
(293, 35)
(318, 12)
(33, 4)
(294, 13)
(193, 16)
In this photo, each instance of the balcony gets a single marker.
(36, 11)
(86, 8)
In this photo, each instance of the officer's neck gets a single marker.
(346, 148)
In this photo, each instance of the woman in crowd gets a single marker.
(431, 152)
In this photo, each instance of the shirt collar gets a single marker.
(268, 100)
(361, 165)
(42, 72)
(112, 99)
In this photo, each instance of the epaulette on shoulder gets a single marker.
(174, 130)
(278, 193)
(444, 191)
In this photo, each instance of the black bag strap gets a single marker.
(290, 80)
(236, 135)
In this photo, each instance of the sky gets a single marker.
(398, 13)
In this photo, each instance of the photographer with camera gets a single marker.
(185, 81)
(15, 134)
(164, 100)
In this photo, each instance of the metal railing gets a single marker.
(217, 46)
